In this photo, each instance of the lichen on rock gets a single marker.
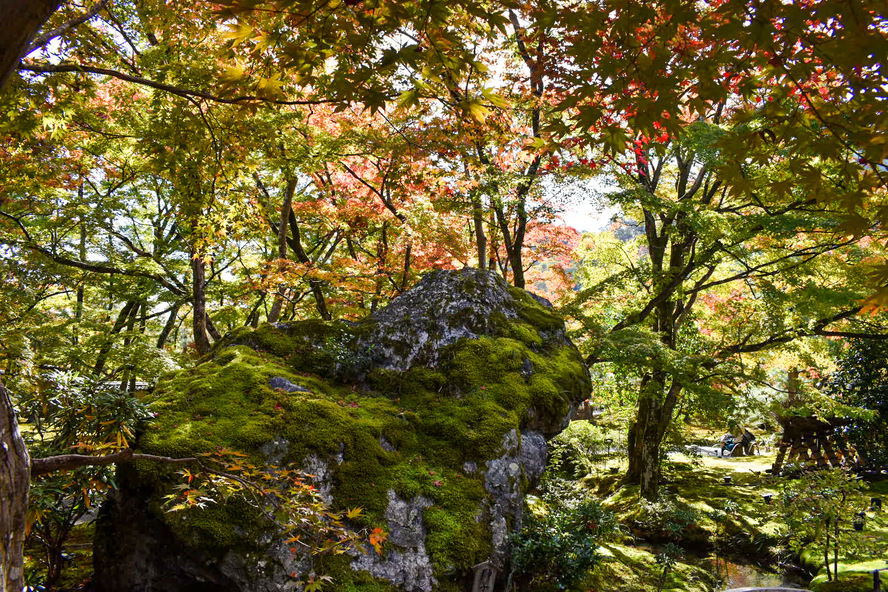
(432, 415)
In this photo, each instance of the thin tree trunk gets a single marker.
(78, 310)
(127, 341)
(826, 553)
(480, 237)
(381, 257)
(301, 256)
(168, 327)
(275, 312)
(119, 324)
(406, 267)
(199, 304)
(252, 319)
(15, 476)
(836, 542)
(212, 330)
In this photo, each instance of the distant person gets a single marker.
(727, 443)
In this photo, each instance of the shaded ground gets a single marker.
(730, 534)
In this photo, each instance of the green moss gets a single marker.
(456, 540)
(378, 430)
(525, 334)
(346, 580)
(627, 569)
(846, 582)
(532, 312)
(209, 528)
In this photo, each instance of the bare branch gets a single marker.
(66, 462)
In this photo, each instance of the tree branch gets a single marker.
(66, 462)
(45, 38)
(175, 90)
(818, 329)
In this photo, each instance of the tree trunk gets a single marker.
(128, 369)
(655, 407)
(78, 309)
(381, 258)
(15, 475)
(480, 237)
(211, 328)
(301, 256)
(119, 324)
(278, 303)
(21, 20)
(199, 304)
(168, 327)
(513, 245)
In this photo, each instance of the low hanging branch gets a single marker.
(66, 462)
(42, 68)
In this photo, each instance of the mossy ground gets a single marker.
(409, 431)
(860, 553)
(703, 515)
(625, 568)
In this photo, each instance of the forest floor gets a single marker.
(720, 535)
(702, 535)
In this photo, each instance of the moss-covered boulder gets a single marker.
(432, 415)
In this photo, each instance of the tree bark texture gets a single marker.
(15, 476)
(278, 303)
(199, 304)
(655, 409)
(21, 20)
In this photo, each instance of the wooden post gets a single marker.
(778, 462)
(819, 444)
(794, 450)
(803, 450)
(830, 453)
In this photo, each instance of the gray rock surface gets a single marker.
(523, 461)
(435, 313)
(408, 565)
(276, 382)
(383, 416)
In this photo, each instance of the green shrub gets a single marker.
(561, 545)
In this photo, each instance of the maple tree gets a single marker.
(173, 173)
(771, 269)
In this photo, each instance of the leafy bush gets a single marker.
(71, 414)
(561, 545)
(861, 380)
(571, 452)
(665, 519)
(817, 507)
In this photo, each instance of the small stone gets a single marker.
(527, 368)
(276, 382)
